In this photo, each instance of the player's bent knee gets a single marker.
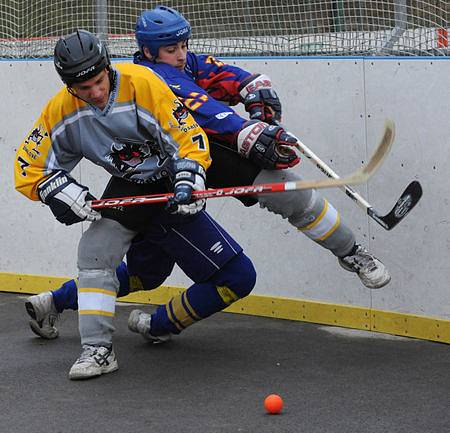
(236, 279)
(289, 204)
(97, 249)
(133, 283)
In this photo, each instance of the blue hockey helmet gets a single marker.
(160, 27)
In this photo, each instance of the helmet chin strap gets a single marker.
(112, 73)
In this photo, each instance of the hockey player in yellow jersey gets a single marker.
(126, 120)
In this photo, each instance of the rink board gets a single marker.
(337, 107)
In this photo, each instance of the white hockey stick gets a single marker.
(359, 176)
(402, 207)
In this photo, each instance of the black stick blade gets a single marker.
(404, 205)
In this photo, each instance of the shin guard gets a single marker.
(232, 282)
(309, 212)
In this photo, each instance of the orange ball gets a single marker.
(273, 403)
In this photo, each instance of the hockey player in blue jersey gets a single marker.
(243, 152)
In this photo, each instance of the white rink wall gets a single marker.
(337, 107)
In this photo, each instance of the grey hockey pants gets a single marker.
(101, 249)
(308, 211)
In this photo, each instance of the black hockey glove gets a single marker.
(260, 100)
(188, 176)
(67, 199)
(269, 146)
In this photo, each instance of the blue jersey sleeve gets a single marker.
(220, 80)
(213, 116)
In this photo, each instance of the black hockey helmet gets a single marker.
(79, 57)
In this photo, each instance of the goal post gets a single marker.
(239, 27)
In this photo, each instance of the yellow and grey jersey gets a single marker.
(134, 137)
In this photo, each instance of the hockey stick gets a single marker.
(359, 176)
(402, 207)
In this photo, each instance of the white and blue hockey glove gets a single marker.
(188, 176)
(260, 100)
(67, 199)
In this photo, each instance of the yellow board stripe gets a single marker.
(365, 318)
(96, 312)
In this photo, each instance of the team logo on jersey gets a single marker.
(34, 140)
(37, 135)
(127, 155)
(180, 113)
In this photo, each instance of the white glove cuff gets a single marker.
(248, 136)
(262, 81)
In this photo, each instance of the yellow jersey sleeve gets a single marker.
(36, 158)
(30, 165)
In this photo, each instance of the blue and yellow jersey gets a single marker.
(205, 82)
(142, 127)
(219, 79)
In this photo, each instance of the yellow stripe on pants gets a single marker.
(324, 225)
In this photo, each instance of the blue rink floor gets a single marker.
(213, 379)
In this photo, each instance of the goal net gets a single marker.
(29, 29)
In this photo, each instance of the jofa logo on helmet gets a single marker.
(127, 154)
(182, 31)
(180, 113)
(85, 71)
